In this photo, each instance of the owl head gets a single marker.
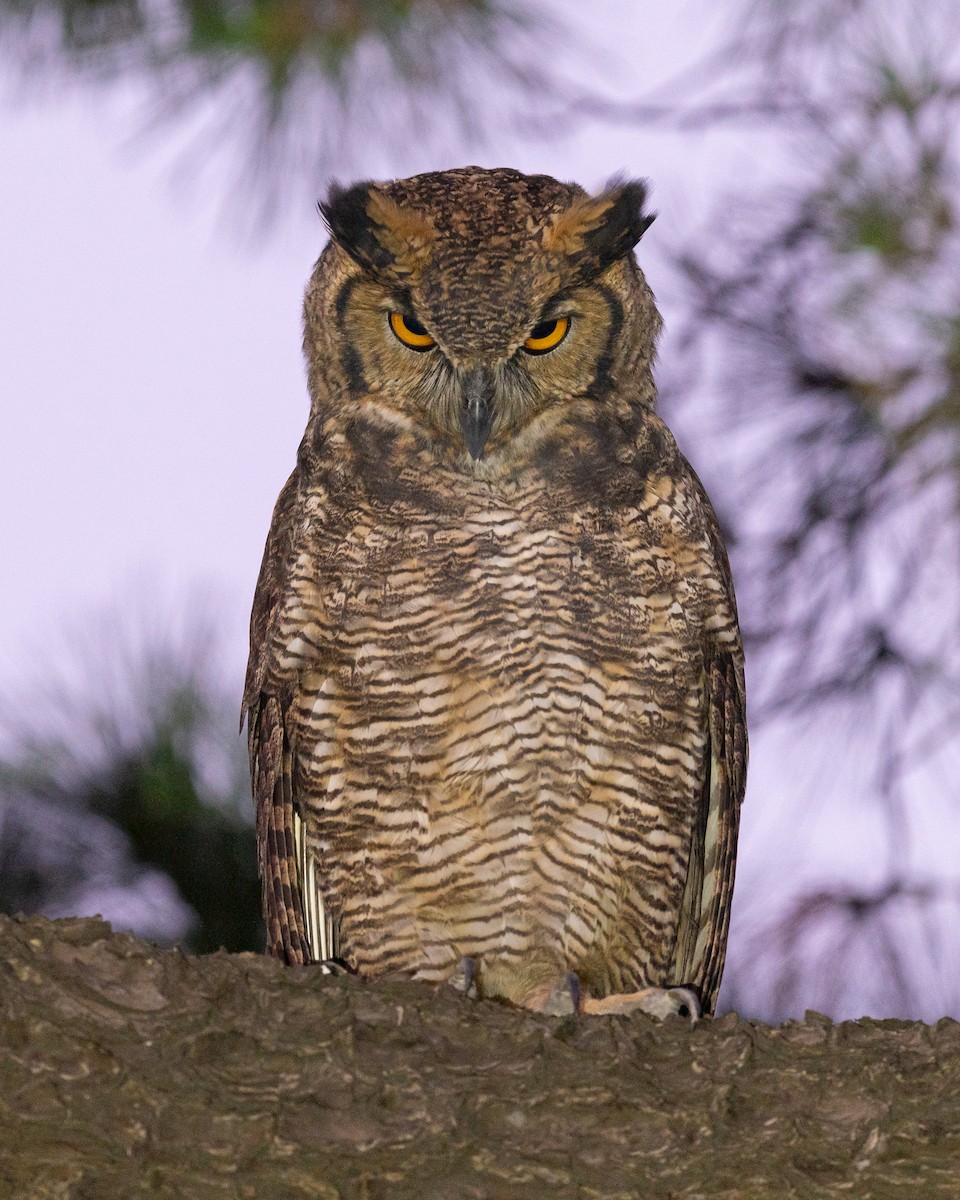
(478, 307)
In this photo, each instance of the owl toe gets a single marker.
(563, 999)
(466, 978)
(658, 1002)
(334, 966)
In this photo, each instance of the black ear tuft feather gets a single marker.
(346, 214)
(623, 224)
(596, 231)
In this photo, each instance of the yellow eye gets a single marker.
(410, 332)
(547, 335)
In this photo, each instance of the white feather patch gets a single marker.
(319, 925)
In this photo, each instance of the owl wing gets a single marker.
(271, 756)
(705, 911)
(271, 771)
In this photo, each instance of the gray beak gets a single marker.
(476, 415)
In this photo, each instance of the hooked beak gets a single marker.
(476, 414)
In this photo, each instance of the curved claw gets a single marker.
(465, 978)
(565, 998)
(334, 966)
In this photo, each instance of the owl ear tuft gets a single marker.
(345, 215)
(375, 230)
(596, 231)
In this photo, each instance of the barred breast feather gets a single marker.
(500, 719)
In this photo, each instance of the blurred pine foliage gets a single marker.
(130, 762)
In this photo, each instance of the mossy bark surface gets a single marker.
(128, 1071)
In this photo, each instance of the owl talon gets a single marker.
(658, 1002)
(564, 999)
(334, 966)
(465, 978)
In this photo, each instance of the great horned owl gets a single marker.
(495, 690)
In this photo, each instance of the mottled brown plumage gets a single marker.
(495, 691)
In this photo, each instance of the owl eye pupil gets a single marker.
(414, 326)
(543, 330)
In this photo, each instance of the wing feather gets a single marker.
(271, 757)
(299, 928)
(705, 913)
(271, 768)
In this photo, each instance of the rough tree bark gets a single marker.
(131, 1071)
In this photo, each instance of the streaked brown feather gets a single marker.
(271, 762)
(271, 767)
(705, 920)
